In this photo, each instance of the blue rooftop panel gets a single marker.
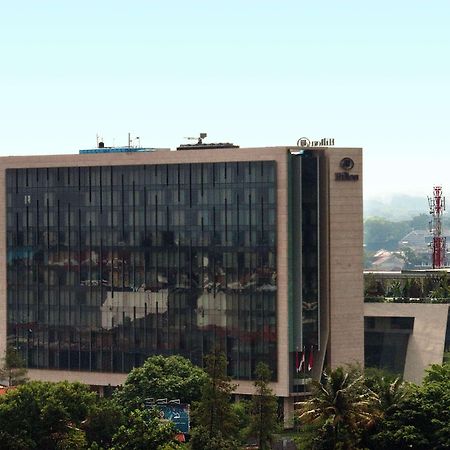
(116, 150)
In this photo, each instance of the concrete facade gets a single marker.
(426, 343)
(345, 261)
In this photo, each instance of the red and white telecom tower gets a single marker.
(438, 245)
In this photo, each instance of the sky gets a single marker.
(254, 72)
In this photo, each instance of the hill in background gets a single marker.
(396, 208)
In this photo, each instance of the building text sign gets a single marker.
(324, 142)
(347, 165)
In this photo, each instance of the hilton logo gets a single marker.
(324, 142)
(345, 176)
(346, 164)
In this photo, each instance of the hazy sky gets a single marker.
(371, 74)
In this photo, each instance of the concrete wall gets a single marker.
(426, 343)
(345, 260)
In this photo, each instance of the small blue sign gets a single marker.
(178, 414)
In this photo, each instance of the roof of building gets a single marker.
(416, 239)
(386, 260)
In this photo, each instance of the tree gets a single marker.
(172, 377)
(373, 287)
(442, 288)
(382, 233)
(41, 415)
(73, 439)
(412, 259)
(390, 389)
(144, 431)
(201, 439)
(102, 422)
(13, 370)
(263, 421)
(421, 420)
(214, 415)
(420, 222)
(241, 410)
(342, 405)
(392, 393)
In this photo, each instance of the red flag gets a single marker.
(311, 359)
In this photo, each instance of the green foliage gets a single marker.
(13, 370)
(373, 287)
(214, 413)
(201, 439)
(16, 441)
(241, 410)
(441, 287)
(44, 414)
(391, 393)
(420, 222)
(307, 436)
(172, 377)
(343, 406)
(412, 259)
(73, 439)
(382, 233)
(102, 422)
(395, 289)
(415, 288)
(144, 432)
(420, 418)
(378, 412)
(368, 258)
(437, 374)
(263, 422)
(59, 416)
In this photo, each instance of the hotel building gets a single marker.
(109, 257)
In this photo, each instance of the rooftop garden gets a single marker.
(431, 288)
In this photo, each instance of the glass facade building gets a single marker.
(111, 258)
(107, 265)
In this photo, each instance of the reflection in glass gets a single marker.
(108, 265)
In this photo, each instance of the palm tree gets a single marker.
(390, 391)
(342, 405)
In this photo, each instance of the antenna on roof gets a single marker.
(99, 138)
(130, 141)
(198, 139)
(100, 142)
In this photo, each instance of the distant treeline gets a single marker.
(383, 233)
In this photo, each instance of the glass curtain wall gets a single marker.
(108, 265)
(304, 241)
(310, 251)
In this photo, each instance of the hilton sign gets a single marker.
(346, 164)
(324, 142)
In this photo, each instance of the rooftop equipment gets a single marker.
(201, 146)
(124, 149)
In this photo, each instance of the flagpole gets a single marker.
(304, 367)
(311, 358)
